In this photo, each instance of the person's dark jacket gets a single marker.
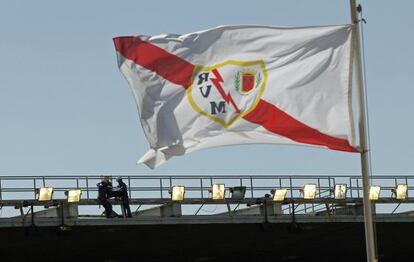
(103, 191)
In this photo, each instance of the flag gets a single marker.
(241, 85)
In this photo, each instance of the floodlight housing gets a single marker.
(309, 191)
(374, 192)
(45, 194)
(238, 192)
(177, 193)
(73, 195)
(401, 192)
(218, 192)
(279, 194)
(340, 191)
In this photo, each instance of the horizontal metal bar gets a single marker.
(191, 201)
(235, 176)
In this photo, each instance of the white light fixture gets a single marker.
(217, 192)
(45, 194)
(401, 192)
(279, 194)
(177, 193)
(73, 195)
(374, 192)
(309, 191)
(340, 191)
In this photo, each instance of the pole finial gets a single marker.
(359, 8)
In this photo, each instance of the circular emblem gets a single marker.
(226, 92)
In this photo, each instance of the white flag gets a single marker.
(241, 85)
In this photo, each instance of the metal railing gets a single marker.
(155, 189)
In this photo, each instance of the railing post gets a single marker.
(329, 186)
(408, 187)
(34, 188)
(319, 187)
(251, 186)
(201, 187)
(161, 187)
(357, 187)
(87, 188)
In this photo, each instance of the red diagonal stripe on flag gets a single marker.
(179, 71)
(276, 121)
(156, 59)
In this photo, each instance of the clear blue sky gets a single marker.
(65, 107)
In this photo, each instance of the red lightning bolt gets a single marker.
(227, 97)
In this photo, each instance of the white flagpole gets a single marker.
(369, 225)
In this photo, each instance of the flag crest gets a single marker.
(226, 92)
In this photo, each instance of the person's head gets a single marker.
(106, 179)
(119, 179)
